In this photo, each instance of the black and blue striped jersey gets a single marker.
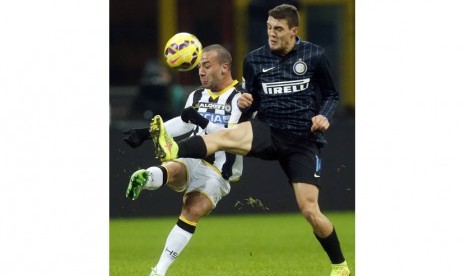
(288, 90)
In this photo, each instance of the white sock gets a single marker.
(155, 178)
(175, 243)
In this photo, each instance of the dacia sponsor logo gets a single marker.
(284, 87)
(212, 106)
(216, 118)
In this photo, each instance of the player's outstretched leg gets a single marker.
(165, 147)
(136, 184)
(340, 269)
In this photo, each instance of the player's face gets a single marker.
(281, 38)
(210, 71)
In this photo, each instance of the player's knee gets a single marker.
(310, 211)
(196, 210)
(176, 173)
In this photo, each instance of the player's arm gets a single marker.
(237, 115)
(190, 115)
(245, 101)
(135, 137)
(178, 126)
(250, 99)
(329, 93)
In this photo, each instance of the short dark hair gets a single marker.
(224, 56)
(286, 11)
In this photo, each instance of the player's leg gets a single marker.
(252, 138)
(206, 188)
(307, 200)
(296, 161)
(196, 205)
(173, 174)
(236, 140)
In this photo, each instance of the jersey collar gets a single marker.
(217, 94)
(297, 44)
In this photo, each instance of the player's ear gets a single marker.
(225, 68)
(295, 30)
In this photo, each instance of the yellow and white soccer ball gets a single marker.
(183, 51)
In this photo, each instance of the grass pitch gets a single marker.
(266, 244)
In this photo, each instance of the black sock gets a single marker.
(332, 247)
(193, 147)
(185, 226)
(165, 174)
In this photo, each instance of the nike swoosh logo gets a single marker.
(316, 175)
(174, 60)
(267, 69)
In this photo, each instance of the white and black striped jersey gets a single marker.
(289, 90)
(221, 110)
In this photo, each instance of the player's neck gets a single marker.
(227, 81)
(226, 85)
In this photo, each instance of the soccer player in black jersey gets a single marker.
(290, 86)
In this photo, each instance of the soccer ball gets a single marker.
(183, 51)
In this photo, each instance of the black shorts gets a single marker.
(299, 158)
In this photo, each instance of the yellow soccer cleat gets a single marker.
(165, 147)
(340, 269)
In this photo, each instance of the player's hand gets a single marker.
(136, 136)
(319, 123)
(190, 115)
(244, 101)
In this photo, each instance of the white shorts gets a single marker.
(205, 178)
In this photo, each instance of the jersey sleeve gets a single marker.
(235, 112)
(177, 127)
(330, 96)
(251, 85)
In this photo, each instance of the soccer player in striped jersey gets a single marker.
(204, 181)
(290, 85)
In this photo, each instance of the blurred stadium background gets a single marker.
(141, 86)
